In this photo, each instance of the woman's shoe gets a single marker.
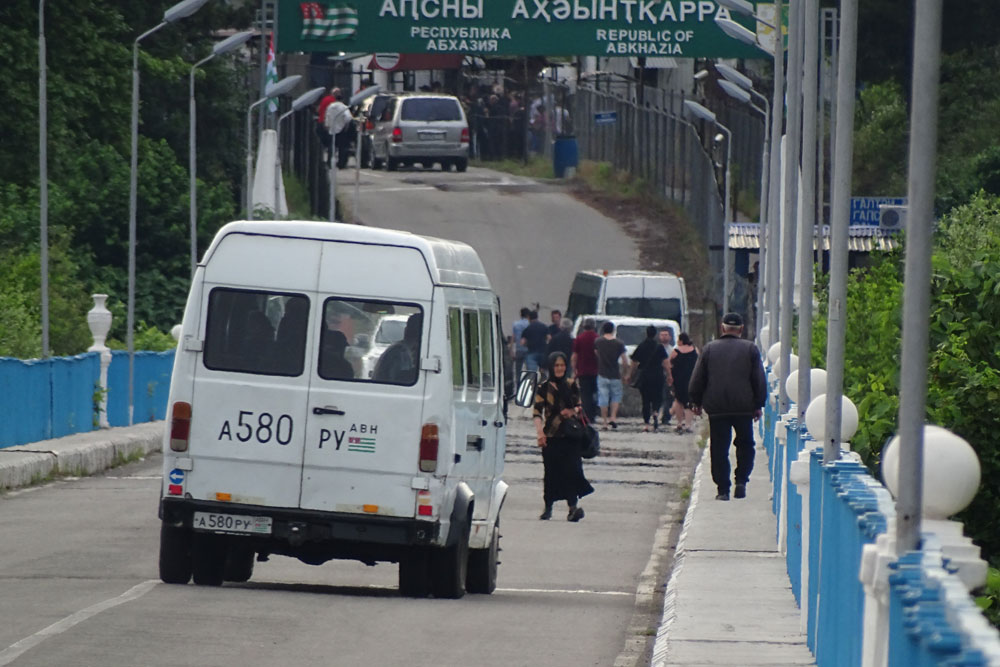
(614, 426)
(547, 514)
(575, 514)
(678, 429)
(656, 424)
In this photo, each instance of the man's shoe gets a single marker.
(741, 491)
(575, 514)
(656, 423)
(722, 496)
(547, 514)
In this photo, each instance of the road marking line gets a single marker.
(564, 591)
(14, 651)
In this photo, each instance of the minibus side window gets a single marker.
(472, 348)
(256, 332)
(455, 339)
(486, 345)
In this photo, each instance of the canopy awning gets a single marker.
(398, 62)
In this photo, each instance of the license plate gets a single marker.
(232, 523)
(431, 136)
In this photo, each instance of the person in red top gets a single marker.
(325, 137)
(584, 364)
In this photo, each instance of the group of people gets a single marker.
(334, 127)
(726, 380)
(496, 121)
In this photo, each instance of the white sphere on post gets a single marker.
(816, 418)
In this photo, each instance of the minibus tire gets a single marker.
(175, 554)
(450, 567)
(208, 559)
(414, 578)
(482, 576)
(239, 563)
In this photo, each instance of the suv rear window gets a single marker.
(430, 109)
(256, 332)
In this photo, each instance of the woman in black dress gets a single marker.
(682, 361)
(556, 400)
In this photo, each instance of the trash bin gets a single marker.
(564, 156)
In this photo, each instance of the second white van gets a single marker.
(632, 293)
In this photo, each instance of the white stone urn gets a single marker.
(99, 321)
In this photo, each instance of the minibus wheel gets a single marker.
(414, 580)
(482, 577)
(208, 559)
(175, 554)
(239, 563)
(450, 566)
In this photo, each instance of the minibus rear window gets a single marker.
(370, 341)
(256, 332)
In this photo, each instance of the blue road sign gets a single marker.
(865, 210)
(605, 117)
(176, 476)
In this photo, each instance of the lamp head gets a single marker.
(699, 111)
(734, 75)
(737, 31)
(364, 95)
(719, 137)
(308, 98)
(701, 75)
(182, 10)
(734, 91)
(232, 42)
(279, 88)
(738, 6)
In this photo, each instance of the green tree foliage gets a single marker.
(89, 57)
(880, 139)
(964, 361)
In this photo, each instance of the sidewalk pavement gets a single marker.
(79, 454)
(728, 599)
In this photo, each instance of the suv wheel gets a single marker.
(391, 163)
(461, 164)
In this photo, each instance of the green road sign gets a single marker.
(642, 28)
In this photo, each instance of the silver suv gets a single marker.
(424, 129)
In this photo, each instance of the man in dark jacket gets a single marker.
(728, 382)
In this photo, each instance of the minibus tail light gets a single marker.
(465, 135)
(180, 426)
(428, 448)
(397, 135)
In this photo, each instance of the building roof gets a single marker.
(860, 238)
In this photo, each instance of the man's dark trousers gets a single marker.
(588, 395)
(721, 431)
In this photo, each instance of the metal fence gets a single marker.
(49, 398)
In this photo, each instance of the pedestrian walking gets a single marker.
(562, 340)
(556, 317)
(584, 365)
(612, 369)
(325, 138)
(682, 362)
(557, 400)
(728, 382)
(534, 338)
(667, 342)
(518, 350)
(650, 366)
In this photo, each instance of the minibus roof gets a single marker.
(451, 263)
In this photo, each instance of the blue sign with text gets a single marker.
(605, 117)
(865, 210)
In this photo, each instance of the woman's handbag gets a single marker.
(590, 446)
(571, 428)
(590, 443)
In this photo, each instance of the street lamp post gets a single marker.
(304, 100)
(43, 177)
(701, 112)
(277, 89)
(742, 92)
(772, 264)
(177, 12)
(222, 47)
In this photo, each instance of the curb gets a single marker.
(77, 455)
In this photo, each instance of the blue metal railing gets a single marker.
(932, 618)
(49, 398)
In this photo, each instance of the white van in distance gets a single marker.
(632, 293)
(278, 442)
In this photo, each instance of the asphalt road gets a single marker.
(78, 557)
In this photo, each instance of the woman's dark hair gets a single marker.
(651, 331)
(553, 358)
(684, 338)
